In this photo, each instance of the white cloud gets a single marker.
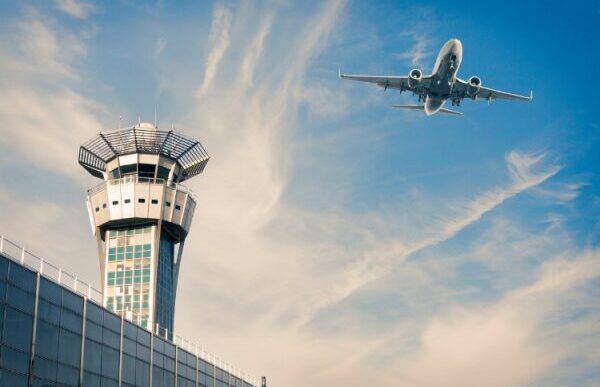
(513, 342)
(75, 8)
(160, 45)
(41, 112)
(219, 43)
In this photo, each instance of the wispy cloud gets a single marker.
(76, 8)
(42, 110)
(219, 43)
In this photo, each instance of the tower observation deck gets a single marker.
(141, 215)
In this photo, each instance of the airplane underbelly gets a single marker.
(440, 87)
(432, 105)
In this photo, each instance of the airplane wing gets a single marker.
(485, 93)
(389, 82)
(422, 108)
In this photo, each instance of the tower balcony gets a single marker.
(132, 199)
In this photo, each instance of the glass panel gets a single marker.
(15, 360)
(72, 301)
(8, 378)
(47, 340)
(71, 321)
(67, 375)
(48, 312)
(22, 277)
(110, 362)
(92, 357)
(69, 351)
(20, 299)
(45, 369)
(17, 329)
(3, 268)
(50, 291)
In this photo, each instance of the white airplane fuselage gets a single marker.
(444, 75)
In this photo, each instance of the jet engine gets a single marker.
(414, 78)
(474, 86)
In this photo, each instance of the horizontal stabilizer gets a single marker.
(422, 108)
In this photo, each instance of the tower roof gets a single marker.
(143, 138)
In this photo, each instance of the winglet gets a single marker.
(530, 95)
(340, 72)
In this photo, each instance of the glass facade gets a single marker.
(165, 294)
(128, 280)
(50, 336)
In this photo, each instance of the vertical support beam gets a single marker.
(151, 351)
(34, 329)
(83, 324)
(176, 364)
(121, 354)
(197, 366)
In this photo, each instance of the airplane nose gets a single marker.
(456, 44)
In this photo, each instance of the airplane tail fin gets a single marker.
(422, 108)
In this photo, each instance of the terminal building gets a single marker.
(56, 330)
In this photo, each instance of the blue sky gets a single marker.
(337, 241)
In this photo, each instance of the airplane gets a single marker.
(442, 85)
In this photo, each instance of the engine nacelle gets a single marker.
(474, 86)
(414, 78)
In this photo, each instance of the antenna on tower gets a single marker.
(155, 121)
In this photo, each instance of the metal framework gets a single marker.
(189, 153)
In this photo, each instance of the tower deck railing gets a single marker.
(20, 255)
(139, 179)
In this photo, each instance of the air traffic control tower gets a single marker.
(141, 215)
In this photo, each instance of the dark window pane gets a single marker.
(129, 346)
(109, 382)
(128, 369)
(169, 379)
(143, 352)
(112, 322)
(131, 168)
(67, 375)
(22, 277)
(71, 321)
(49, 312)
(129, 330)
(91, 380)
(143, 337)
(15, 360)
(169, 364)
(69, 348)
(157, 359)
(93, 331)
(94, 312)
(50, 291)
(72, 302)
(110, 338)
(169, 350)
(12, 379)
(142, 373)
(3, 268)
(110, 362)
(46, 340)
(2, 291)
(44, 368)
(17, 329)
(92, 357)
(19, 299)
(157, 377)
